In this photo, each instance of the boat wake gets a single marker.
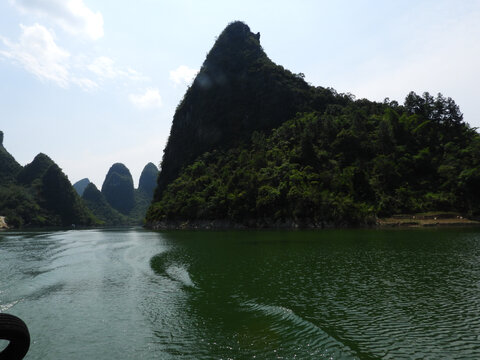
(174, 271)
(298, 334)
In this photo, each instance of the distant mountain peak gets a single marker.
(35, 169)
(118, 188)
(80, 186)
(148, 179)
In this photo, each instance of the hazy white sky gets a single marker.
(94, 82)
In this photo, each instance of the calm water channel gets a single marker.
(339, 294)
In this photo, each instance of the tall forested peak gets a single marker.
(91, 193)
(60, 198)
(9, 167)
(238, 90)
(118, 188)
(39, 194)
(120, 169)
(148, 179)
(100, 207)
(35, 169)
(235, 50)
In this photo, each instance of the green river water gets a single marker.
(333, 294)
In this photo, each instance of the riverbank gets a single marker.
(427, 220)
(230, 225)
(430, 219)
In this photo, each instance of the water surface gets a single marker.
(339, 294)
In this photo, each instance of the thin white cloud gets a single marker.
(38, 53)
(105, 68)
(71, 15)
(134, 75)
(148, 100)
(183, 74)
(85, 84)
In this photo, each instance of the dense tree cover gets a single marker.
(35, 170)
(342, 166)
(237, 91)
(100, 207)
(20, 207)
(252, 143)
(39, 194)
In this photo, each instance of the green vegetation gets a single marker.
(100, 207)
(39, 194)
(253, 144)
(237, 91)
(341, 167)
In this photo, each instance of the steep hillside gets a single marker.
(34, 170)
(294, 155)
(9, 168)
(59, 197)
(100, 207)
(148, 179)
(39, 194)
(237, 91)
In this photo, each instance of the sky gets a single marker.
(95, 82)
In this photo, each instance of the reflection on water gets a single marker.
(343, 294)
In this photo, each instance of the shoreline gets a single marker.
(402, 221)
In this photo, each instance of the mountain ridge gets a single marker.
(39, 194)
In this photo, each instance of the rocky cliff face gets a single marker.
(238, 90)
(9, 167)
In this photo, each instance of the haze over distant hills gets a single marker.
(39, 194)
(118, 203)
(252, 144)
(80, 186)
